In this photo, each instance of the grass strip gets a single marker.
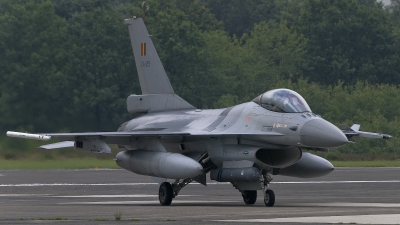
(377, 163)
(82, 163)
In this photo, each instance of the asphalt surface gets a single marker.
(347, 195)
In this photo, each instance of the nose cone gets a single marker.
(321, 133)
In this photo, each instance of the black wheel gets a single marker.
(269, 198)
(249, 197)
(165, 193)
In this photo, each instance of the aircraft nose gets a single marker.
(321, 133)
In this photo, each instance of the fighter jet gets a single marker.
(245, 144)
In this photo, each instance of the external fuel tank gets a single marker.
(159, 164)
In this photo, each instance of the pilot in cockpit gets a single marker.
(282, 100)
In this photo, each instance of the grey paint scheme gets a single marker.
(307, 167)
(172, 139)
(159, 164)
(157, 91)
(153, 79)
(155, 102)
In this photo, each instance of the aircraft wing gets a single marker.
(97, 141)
(75, 136)
(93, 141)
(90, 135)
(113, 134)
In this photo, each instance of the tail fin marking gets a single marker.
(152, 76)
(157, 92)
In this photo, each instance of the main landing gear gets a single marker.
(165, 193)
(169, 191)
(249, 197)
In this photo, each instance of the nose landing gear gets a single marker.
(269, 198)
(250, 196)
(269, 195)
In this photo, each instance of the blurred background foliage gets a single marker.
(67, 65)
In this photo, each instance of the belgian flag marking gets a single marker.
(143, 49)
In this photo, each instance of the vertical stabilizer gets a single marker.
(152, 76)
(157, 92)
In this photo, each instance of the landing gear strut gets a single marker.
(269, 195)
(167, 191)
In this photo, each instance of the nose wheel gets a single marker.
(269, 198)
(269, 195)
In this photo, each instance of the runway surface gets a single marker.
(347, 195)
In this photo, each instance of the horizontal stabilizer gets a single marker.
(64, 144)
(155, 102)
(346, 128)
(355, 127)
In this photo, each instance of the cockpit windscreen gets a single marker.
(283, 100)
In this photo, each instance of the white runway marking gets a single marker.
(331, 204)
(211, 183)
(356, 219)
(351, 204)
(114, 196)
(22, 195)
(337, 182)
(139, 202)
(89, 196)
(74, 184)
(106, 184)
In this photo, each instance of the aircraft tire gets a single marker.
(269, 198)
(165, 193)
(249, 197)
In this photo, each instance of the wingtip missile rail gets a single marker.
(354, 131)
(373, 135)
(28, 136)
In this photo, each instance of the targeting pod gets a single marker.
(250, 174)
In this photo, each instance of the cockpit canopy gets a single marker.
(282, 100)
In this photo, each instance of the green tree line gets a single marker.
(67, 65)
